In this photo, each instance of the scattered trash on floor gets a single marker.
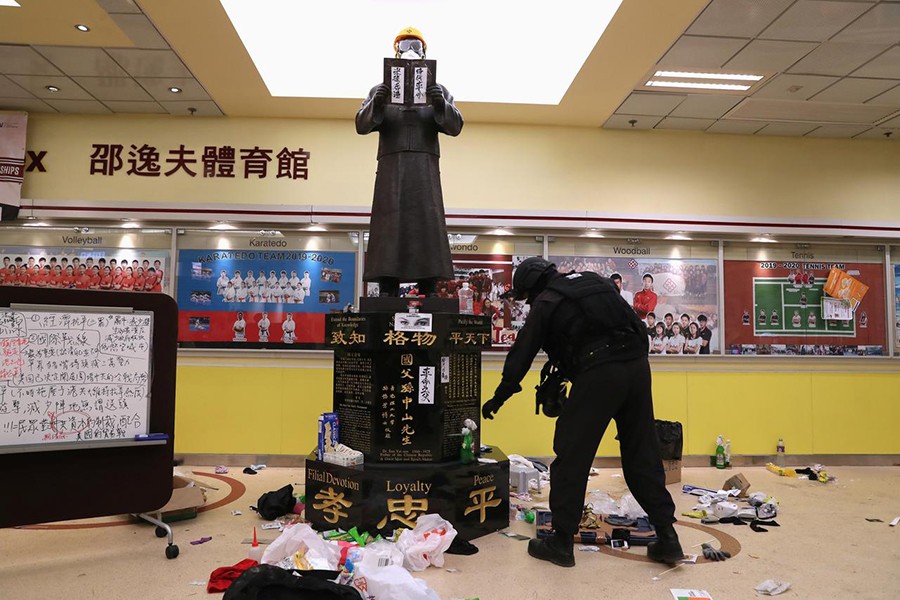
(258, 467)
(249, 471)
(198, 583)
(658, 577)
(236, 513)
(781, 471)
(874, 520)
(895, 522)
(221, 469)
(514, 536)
(816, 473)
(270, 526)
(222, 578)
(770, 587)
(691, 594)
(202, 540)
(452, 570)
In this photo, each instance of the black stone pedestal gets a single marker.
(378, 498)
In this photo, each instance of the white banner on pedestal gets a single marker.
(12, 156)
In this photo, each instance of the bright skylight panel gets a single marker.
(518, 52)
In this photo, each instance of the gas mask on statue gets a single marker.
(411, 49)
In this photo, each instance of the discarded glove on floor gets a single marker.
(710, 553)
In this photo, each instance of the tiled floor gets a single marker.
(824, 547)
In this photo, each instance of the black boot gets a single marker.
(667, 548)
(557, 549)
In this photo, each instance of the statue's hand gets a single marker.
(381, 94)
(436, 93)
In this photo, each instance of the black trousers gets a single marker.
(612, 390)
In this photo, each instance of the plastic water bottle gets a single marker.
(720, 453)
(779, 453)
(466, 300)
(727, 453)
(256, 551)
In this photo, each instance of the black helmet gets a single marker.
(527, 276)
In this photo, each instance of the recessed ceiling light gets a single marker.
(82, 28)
(733, 87)
(722, 76)
(315, 227)
(500, 231)
(764, 239)
(131, 225)
(36, 224)
(678, 236)
(276, 31)
(175, 90)
(52, 88)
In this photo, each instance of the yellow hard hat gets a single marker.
(409, 32)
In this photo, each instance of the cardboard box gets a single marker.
(737, 482)
(187, 497)
(672, 469)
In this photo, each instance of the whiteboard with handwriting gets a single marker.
(70, 376)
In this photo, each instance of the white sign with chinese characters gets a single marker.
(420, 84)
(445, 369)
(426, 385)
(397, 84)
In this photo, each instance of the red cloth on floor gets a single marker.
(221, 578)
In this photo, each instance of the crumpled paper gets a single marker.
(770, 587)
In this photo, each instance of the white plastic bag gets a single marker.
(390, 583)
(630, 507)
(299, 547)
(425, 545)
(382, 553)
(603, 504)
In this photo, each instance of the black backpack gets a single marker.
(268, 582)
(272, 505)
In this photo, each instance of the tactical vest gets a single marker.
(606, 323)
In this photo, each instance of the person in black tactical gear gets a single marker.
(600, 345)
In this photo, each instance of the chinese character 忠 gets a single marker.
(407, 507)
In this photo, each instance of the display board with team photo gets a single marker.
(112, 269)
(897, 310)
(677, 299)
(778, 307)
(260, 298)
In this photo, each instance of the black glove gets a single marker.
(711, 553)
(490, 408)
(436, 93)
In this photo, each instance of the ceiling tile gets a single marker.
(878, 133)
(23, 60)
(79, 106)
(26, 104)
(837, 58)
(74, 61)
(140, 30)
(881, 24)
(889, 98)
(113, 88)
(119, 106)
(649, 104)
(206, 108)
(838, 131)
(37, 85)
(684, 123)
(736, 126)
(705, 106)
(791, 129)
(887, 66)
(855, 90)
(693, 52)
(765, 55)
(765, 109)
(159, 88)
(618, 121)
(119, 6)
(149, 63)
(794, 87)
(814, 21)
(10, 89)
(737, 18)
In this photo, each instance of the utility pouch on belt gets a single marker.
(551, 393)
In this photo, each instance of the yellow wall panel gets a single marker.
(751, 409)
(269, 410)
(855, 414)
